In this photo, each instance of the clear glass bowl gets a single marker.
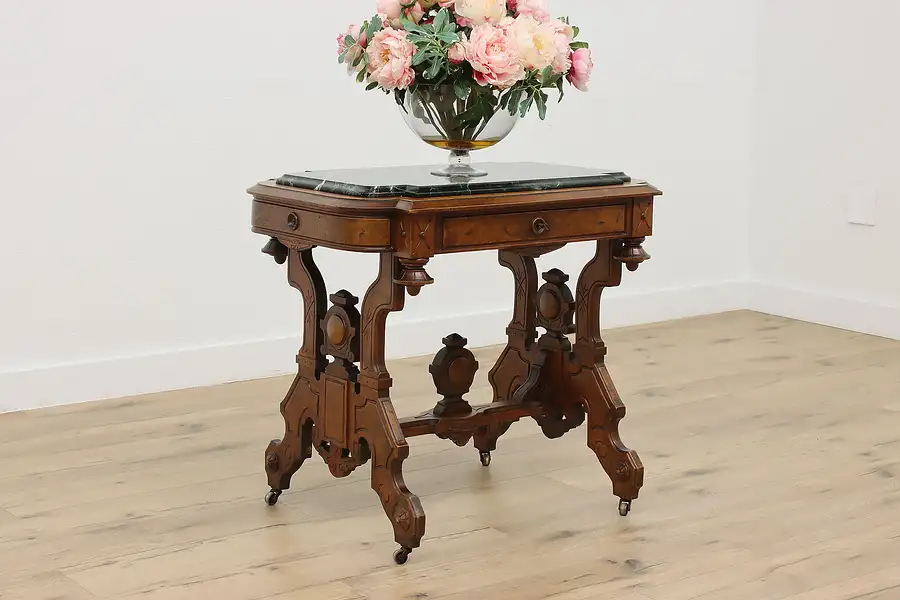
(441, 119)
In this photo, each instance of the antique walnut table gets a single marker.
(341, 407)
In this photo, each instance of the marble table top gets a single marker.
(418, 182)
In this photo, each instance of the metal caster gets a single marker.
(485, 458)
(402, 555)
(272, 497)
(624, 507)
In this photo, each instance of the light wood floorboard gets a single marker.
(772, 450)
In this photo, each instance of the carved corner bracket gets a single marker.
(276, 250)
(632, 253)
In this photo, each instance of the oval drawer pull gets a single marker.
(540, 226)
(293, 221)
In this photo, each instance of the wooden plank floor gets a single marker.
(772, 450)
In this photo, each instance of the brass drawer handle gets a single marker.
(540, 226)
(293, 221)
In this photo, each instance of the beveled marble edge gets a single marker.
(470, 188)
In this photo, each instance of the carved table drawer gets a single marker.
(352, 232)
(527, 228)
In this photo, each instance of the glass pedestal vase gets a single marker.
(439, 117)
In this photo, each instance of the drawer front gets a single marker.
(325, 229)
(533, 227)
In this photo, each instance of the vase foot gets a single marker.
(460, 173)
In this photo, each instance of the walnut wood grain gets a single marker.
(532, 227)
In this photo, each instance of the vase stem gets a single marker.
(459, 166)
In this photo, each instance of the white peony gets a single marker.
(479, 12)
(540, 45)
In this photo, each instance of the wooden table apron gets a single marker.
(342, 408)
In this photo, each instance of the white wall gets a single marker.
(130, 132)
(827, 126)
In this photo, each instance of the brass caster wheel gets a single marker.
(402, 555)
(624, 507)
(485, 458)
(272, 497)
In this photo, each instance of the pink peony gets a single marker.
(457, 53)
(390, 59)
(533, 8)
(356, 50)
(493, 57)
(393, 9)
(582, 67)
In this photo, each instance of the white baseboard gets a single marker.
(825, 309)
(253, 359)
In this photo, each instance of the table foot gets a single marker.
(401, 555)
(624, 507)
(485, 458)
(272, 497)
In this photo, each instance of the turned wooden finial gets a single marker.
(413, 275)
(453, 370)
(276, 250)
(556, 305)
(633, 253)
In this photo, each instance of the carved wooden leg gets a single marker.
(378, 425)
(604, 411)
(590, 380)
(285, 456)
(375, 419)
(512, 368)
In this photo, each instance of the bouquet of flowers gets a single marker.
(493, 53)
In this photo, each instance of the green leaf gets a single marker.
(576, 30)
(526, 104)
(433, 70)
(442, 19)
(361, 76)
(410, 26)
(559, 86)
(371, 86)
(450, 38)
(349, 40)
(546, 75)
(462, 89)
(542, 105)
(514, 100)
(577, 45)
(359, 59)
(428, 27)
(343, 55)
(376, 25)
(419, 57)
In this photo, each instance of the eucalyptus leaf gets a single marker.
(442, 20)
(371, 86)
(433, 70)
(450, 38)
(462, 89)
(349, 40)
(542, 105)
(577, 45)
(361, 77)
(546, 75)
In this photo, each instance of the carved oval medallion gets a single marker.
(336, 330)
(548, 304)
